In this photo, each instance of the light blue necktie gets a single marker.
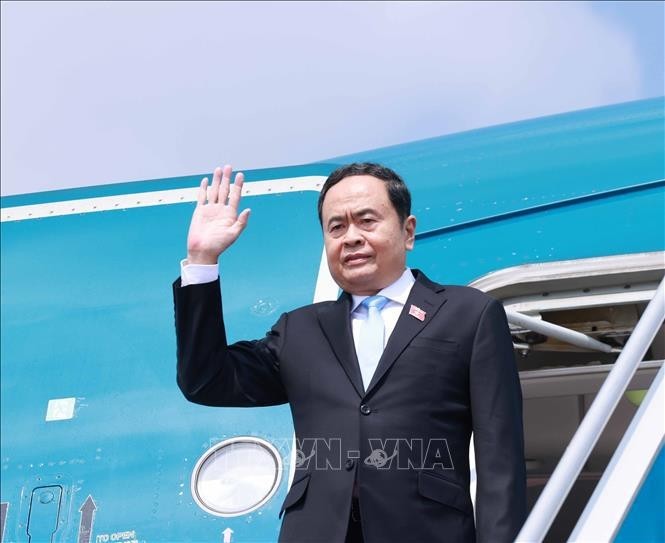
(370, 338)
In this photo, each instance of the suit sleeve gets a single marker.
(496, 411)
(211, 372)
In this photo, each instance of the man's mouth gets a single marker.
(356, 259)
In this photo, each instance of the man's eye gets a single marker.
(335, 227)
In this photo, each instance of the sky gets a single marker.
(104, 92)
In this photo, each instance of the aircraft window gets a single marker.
(236, 476)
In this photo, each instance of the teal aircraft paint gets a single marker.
(98, 443)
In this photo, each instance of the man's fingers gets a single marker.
(243, 218)
(236, 190)
(201, 196)
(213, 195)
(220, 188)
(224, 187)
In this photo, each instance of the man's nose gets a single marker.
(352, 236)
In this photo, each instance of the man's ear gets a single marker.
(410, 230)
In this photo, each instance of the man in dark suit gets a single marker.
(385, 385)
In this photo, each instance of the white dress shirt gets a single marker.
(397, 293)
(195, 274)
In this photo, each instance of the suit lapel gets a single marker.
(335, 320)
(424, 295)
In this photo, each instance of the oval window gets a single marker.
(236, 476)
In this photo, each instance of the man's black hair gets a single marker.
(398, 193)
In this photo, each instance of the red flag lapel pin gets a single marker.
(416, 312)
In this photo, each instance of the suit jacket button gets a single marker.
(348, 465)
(365, 410)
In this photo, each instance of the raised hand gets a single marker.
(215, 223)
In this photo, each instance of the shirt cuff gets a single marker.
(195, 274)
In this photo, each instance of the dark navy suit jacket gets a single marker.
(405, 441)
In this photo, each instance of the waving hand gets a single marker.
(216, 223)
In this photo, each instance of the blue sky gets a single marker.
(101, 92)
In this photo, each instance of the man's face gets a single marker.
(365, 241)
